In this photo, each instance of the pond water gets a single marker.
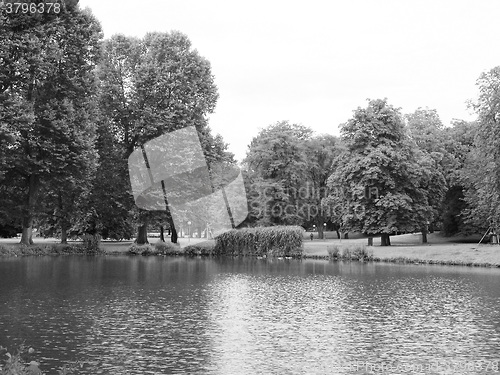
(151, 315)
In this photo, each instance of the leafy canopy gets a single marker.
(381, 179)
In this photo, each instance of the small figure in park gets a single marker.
(312, 236)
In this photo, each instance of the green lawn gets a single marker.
(408, 246)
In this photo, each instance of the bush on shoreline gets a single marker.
(354, 252)
(159, 248)
(92, 243)
(203, 249)
(51, 249)
(282, 241)
(20, 364)
(168, 248)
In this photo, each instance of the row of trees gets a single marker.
(387, 173)
(73, 107)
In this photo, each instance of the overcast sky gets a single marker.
(314, 62)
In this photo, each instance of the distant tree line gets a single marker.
(387, 173)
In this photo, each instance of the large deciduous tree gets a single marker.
(321, 151)
(425, 128)
(47, 87)
(287, 170)
(426, 131)
(381, 179)
(277, 165)
(153, 86)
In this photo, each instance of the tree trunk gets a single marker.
(320, 231)
(173, 237)
(142, 235)
(27, 233)
(338, 233)
(63, 222)
(162, 234)
(64, 234)
(385, 239)
(27, 220)
(424, 235)
(346, 235)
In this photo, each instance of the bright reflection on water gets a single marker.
(141, 315)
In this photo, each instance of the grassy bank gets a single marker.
(408, 249)
(48, 249)
(51, 247)
(405, 249)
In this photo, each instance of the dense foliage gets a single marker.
(388, 173)
(73, 108)
(481, 174)
(149, 87)
(383, 182)
(89, 247)
(47, 116)
(287, 169)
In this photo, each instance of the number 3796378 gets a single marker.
(27, 7)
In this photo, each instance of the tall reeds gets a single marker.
(279, 241)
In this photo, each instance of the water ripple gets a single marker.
(176, 316)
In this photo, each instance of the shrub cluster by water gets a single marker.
(281, 241)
